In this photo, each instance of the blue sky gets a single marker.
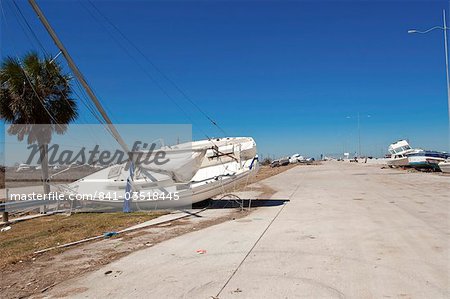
(292, 74)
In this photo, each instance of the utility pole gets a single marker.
(358, 118)
(92, 96)
(5, 216)
(444, 28)
(446, 72)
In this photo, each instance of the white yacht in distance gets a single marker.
(403, 155)
(399, 153)
(427, 159)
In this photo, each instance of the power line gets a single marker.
(33, 33)
(40, 100)
(22, 17)
(146, 72)
(158, 69)
(29, 27)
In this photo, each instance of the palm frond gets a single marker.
(35, 92)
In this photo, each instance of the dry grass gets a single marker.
(28, 236)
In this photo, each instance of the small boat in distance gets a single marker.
(24, 167)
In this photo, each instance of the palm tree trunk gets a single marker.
(44, 167)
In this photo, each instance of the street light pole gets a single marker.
(359, 137)
(444, 28)
(446, 69)
(358, 118)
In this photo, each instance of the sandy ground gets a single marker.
(348, 231)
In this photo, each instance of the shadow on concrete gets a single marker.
(236, 203)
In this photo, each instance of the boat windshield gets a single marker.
(402, 149)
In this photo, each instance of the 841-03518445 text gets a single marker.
(135, 195)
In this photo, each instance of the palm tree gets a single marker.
(35, 100)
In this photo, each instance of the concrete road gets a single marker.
(349, 231)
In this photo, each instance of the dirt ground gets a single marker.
(35, 274)
(26, 237)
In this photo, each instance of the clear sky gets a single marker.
(292, 74)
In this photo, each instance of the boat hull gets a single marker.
(186, 198)
(444, 167)
(398, 162)
(426, 160)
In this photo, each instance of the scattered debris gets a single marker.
(108, 272)
(201, 251)
(110, 234)
(6, 228)
(118, 272)
(48, 287)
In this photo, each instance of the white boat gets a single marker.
(399, 153)
(445, 166)
(296, 158)
(207, 168)
(402, 155)
(24, 167)
(427, 159)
